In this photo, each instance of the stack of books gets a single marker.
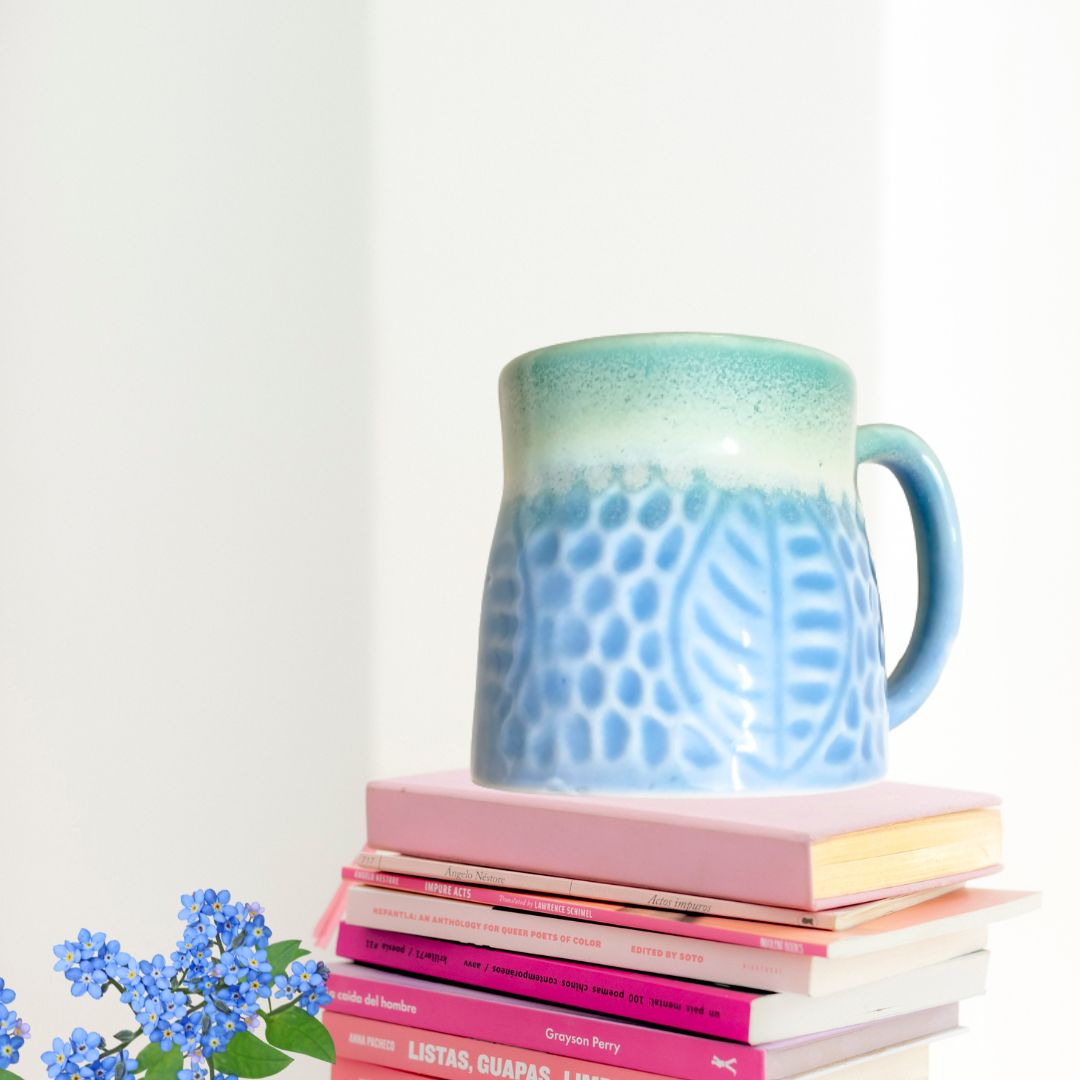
(541, 937)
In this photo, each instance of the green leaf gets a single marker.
(296, 1030)
(282, 953)
(161, 1066)
(251, 1058)
(9, 1075)
(149, 1055)
(124, 1036)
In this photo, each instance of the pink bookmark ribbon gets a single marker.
(332, 916)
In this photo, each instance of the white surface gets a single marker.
(259, 267)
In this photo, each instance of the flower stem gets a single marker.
(120, 1045)
(281, 1008)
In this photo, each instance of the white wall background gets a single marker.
(259, 267)
(184, 452)
(980, 225)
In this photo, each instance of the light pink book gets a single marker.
(963, 909)
(703, 1008)
(495, 1018)
(757, 850)
(644, 950)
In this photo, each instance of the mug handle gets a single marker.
(937, 543)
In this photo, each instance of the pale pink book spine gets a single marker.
(714, 1011)
(393, 862)
(611, 946)
(782, 939)
(831, 919)
(406, 1048)
(540, 1027)
(760, 869)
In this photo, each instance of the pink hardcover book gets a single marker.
(720, 1012)
(757, 850)
(643, 950)
(959, 910)
(455, 1010)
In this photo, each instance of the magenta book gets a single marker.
(455, 1010)
(720, 1012)
(755, 850)
(381, 1051)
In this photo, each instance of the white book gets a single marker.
(907, 1062)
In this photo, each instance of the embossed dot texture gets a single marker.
(676, 640)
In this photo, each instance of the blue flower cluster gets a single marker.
(213, 986)
(85, 962)
(80, 1056)
(13, 1031)
(306, 984)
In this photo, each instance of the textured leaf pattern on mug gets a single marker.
(771, 620)
(663, 638)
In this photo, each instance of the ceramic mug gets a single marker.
(680, 596)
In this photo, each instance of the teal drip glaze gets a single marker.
(743, 410)
(625, 375)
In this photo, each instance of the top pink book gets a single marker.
(806, 852)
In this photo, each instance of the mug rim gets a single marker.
(725, 345)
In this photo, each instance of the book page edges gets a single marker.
(964, 842)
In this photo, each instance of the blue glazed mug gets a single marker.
(680, 596)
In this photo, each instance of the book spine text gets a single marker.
(540, 1028)
(696, 1007)
(781, 940)
(414, 1050)
(610, 946)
